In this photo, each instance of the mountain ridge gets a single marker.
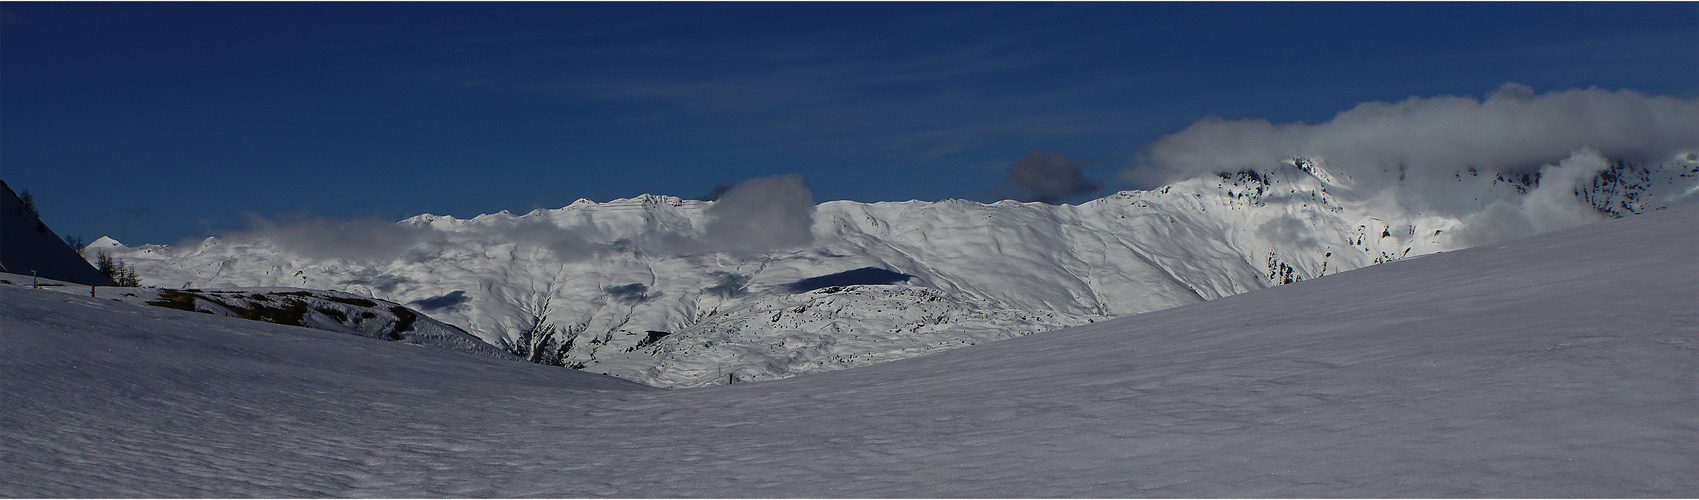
(644, 289)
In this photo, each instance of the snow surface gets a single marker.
(1554, 366)
(635, 288)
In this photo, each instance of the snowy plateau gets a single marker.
(1558, 365)
(641, 288)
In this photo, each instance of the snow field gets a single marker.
(1556, 366)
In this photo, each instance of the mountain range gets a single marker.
(763, 284)
(1559, 365)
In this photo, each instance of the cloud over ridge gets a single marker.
(762, 214)
(756, 215)
(1050, 177)
(1513, 129)
(1424, 153)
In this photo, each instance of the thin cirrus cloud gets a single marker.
(801, 94)
(758, 215)
(373, 239)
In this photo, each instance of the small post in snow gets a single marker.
(729, 379)
(33, 281)
(91, 291)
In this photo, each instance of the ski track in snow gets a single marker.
(1555, 366)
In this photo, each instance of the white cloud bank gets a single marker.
(1376, 143)
(1550, 206)
(1420, 147)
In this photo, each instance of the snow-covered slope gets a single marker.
(1555, 366)
(634, 288)
(28, 246)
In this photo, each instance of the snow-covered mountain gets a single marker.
(1554, 366)
(671, 292)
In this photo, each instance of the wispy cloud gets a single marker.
(137, 212)
(757, 215)
(825, 92)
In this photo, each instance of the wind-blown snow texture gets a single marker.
(1554, 366)
(657, 289)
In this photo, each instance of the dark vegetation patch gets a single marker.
(863, 276)
(293, 312)
(180, 300)
(290, 310)
(448, 300)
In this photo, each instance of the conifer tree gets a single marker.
(29, 202)
(114, 268)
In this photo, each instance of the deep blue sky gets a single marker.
(154, 122)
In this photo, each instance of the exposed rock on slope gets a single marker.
(317, 309)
